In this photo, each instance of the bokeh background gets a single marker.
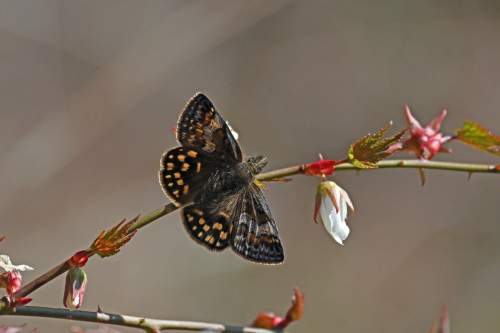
(90, 92)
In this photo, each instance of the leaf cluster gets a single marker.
(370, 149)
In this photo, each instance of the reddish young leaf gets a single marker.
(295, 311)
(271, 321)
(367, 151)
(297, 308)
(479, 137)
(110, 242)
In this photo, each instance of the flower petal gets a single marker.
(435, 124)
(339, 229)
(325, 210)
(7, 265)
(411, 121)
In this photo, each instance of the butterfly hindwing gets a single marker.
(254, 233)
(201, 128)
(208, 227)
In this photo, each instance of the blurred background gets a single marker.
(90, 92)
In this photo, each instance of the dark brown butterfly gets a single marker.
(222, 205)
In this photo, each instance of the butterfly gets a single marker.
(222, 206)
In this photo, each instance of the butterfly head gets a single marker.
(256, 164)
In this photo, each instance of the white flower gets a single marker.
(7, 265)
(331, 207)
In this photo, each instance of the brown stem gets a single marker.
(146, 324)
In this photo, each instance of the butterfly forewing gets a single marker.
(255, 234)
(202, 128)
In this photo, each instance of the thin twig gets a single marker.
(424, 164)
(148, 218)
(146, 324)
(416, 163)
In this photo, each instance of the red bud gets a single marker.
(23, 301)
(266, 320)
(79, 259)
(323, 167)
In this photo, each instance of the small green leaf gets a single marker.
(479, 137)
(367, 151)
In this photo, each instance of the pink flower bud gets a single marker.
(76, 281)
(425, 142)
(15, 282)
